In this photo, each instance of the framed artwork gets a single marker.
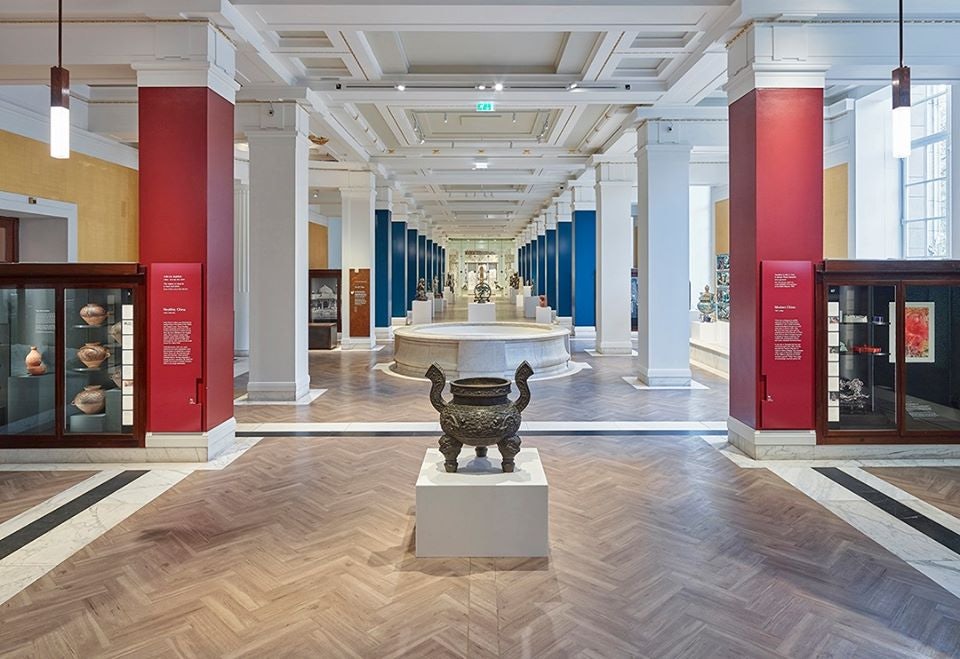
(918, 331)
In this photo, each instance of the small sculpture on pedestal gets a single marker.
(706, 306)
(515, 281)
(543, 301)
(450, 281)
(436, 287)
(482, 292)
(421, 290)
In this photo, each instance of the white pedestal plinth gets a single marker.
(481, 312)
(512, 293)
(480, 511)
(422, 312)
(448, 296)
(530, 304)
(519, 299)
(527, 291)
(439, 305)
(544, 315)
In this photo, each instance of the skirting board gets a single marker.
(300, 402)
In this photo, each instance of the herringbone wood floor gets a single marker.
(355, 393)
(661, 547)
(939, 486)
(22, 490)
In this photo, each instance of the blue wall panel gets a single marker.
(551, 283)
(565, 269)
(381, 268)
(398, 269)
(411, 287)
(541, 265)
(421, 258)
(585, 268)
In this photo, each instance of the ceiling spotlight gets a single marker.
(498, 87)
(422, 140)
(514, 117)
(444, 117)
(481, 87)
(480, 164)
(573, 86)
(401, 88)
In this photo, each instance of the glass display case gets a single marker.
(69, 352)
(325, 297)
(889, 351)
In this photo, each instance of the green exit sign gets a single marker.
(485, 106)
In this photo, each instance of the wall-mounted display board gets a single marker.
(71, 355)
(888, 351)
(360, 303)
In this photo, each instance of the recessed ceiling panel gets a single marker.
(482, 52)
(460, 125)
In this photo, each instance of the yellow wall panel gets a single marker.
(318, 246)
(835, 199)
(721, 236)
(106, 194)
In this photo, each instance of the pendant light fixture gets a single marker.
(902, 138)
(59, 98)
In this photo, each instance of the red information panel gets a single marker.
(175, 299)
(787, 370)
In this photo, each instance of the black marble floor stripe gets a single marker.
(898, 509)
(523, 433)
(39, 527)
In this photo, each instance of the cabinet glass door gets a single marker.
(98, 373)
(28, 361)
(861, 369)
(932, 358)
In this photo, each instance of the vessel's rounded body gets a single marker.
(93, 314)
(91, 400)
(92, 354)
(480, 413)
(34, 362)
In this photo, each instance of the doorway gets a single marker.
(9, 240)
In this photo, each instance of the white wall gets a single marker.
(43, 239)
(334, 243)
(701, 241)
(876, 181)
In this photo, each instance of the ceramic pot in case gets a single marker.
(93, 314)
(92, 354)
(34, 362)
(91, 400)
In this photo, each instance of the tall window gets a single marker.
(926, 176)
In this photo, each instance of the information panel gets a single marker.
(175, 299)
(787, 387)
(360, 302)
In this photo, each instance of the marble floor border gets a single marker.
(303, 401)
(572, 369)
(399, 428)
(635, 382)
(594, 353)
(38, 557)
(928, 555)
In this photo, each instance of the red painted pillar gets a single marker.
(776, 214)
(186, 216)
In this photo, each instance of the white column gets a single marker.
(241, 269)
(279, 152)
(614, 256)
(955, 169)
(357, 217)
(663, 218)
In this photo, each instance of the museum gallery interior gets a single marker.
(481, 328)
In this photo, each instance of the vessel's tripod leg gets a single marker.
(508, 449)
(450, 448)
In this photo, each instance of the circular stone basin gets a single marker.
(468, 350)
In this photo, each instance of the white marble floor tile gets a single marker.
(594, 353)
(635, 382)
(939, 516)
(285, 426)
(26, 565)
(943, 573)
(300, 402)
(715, 425)
(887, 531)
(814, 484)
(676, 426)
(28, 516)
(394, 426)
